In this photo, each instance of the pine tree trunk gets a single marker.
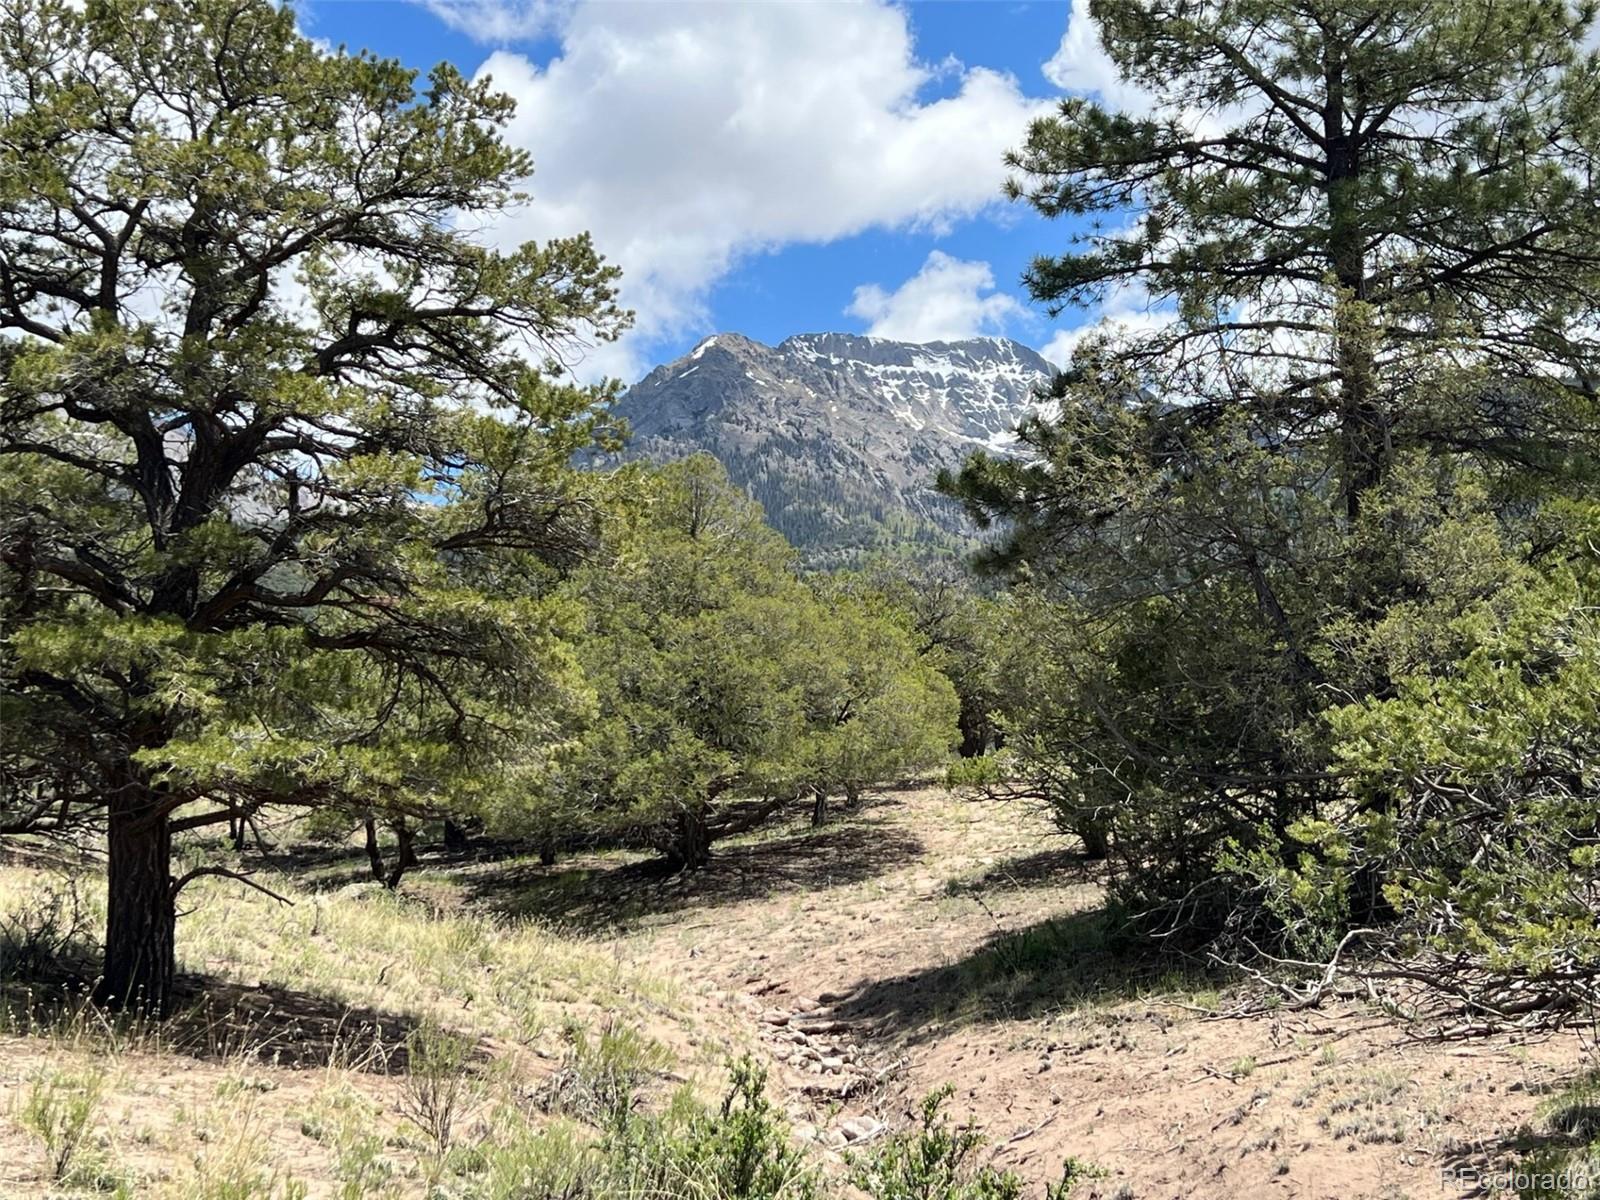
(374, 855)
(974, 732)
(141, 918)
(1364, 425)
(405, 855)
(691, 848)
(455, 837)
(1096, 838)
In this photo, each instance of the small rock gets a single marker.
(859, 1129)
(813, 1025)
(775, 1016)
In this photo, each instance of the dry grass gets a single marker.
(308, 1060)
(464, 1038)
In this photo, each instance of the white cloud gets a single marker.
(687, 135)
(1126, 310)
(500, 22)
(1082, 66)
(947, 300)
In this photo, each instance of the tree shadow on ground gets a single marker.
(1078, 960)
(595, 898)
(215, 1020)
(325, 865)
(1064, 865)
(1530, 1162)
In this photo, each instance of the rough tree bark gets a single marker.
(405, 853)
(1096, 838)
(1364, 424)
(374, 855)
(141, 915)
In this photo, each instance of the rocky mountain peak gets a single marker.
(838, 435)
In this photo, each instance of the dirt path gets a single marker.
(925, 940)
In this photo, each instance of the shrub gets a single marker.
(60, 1111)
(42, 930)
(438, 1082)
(934, 1161)
(600, 1078)
(738, 1151)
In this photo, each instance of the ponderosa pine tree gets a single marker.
(1331, 196)
(1372, 235)
(281, 490)
(721, 676)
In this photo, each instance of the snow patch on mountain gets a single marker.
(839, 435)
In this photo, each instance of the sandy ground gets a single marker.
(927, 940)
(923, 940)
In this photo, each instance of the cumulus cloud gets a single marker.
(1126, 310)
(947, 300)
(1081, 65)
(688, 135)
(500, 22)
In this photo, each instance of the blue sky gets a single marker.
(770, 166)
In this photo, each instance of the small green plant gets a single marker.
(1073, 1172)
(519, 1160)
(935, 1161)
(233, 1158)
(439, 1083)
(42, 933)
(601, 1077)
(1569, 1167)
(346, 1122)
(738, 1151)
(60, 1111)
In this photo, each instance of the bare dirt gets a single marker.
(920, 941)
(926, 940)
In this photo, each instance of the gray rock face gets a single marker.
(839, 436)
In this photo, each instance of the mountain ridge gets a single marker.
(838, 435)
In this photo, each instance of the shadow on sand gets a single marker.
(215, 1020)
(1533, 1161)
(1065, 962)
(1045, 868)
(600, 898)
